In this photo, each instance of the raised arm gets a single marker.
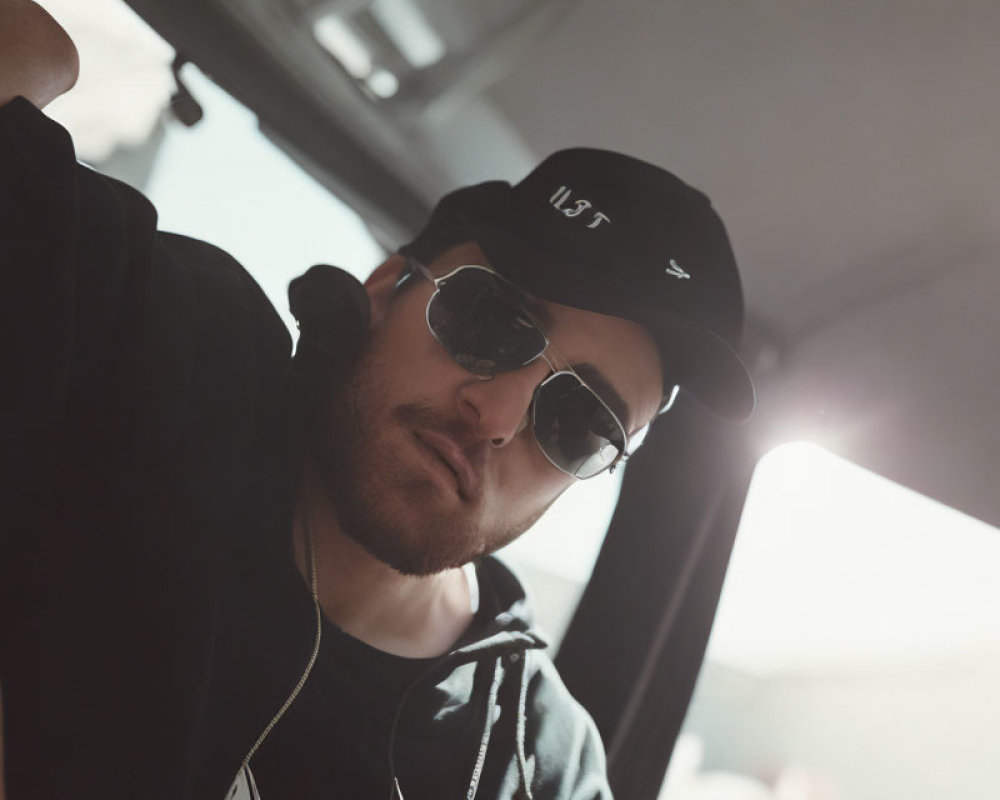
(39, 61)
(37, 58)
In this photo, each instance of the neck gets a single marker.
(406, 615)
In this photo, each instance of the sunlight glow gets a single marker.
(835, 567)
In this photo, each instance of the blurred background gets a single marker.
(851, 148)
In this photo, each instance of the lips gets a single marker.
(466, 476)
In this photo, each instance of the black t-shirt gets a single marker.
(334, 739)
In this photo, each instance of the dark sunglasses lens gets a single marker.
(573, 427)
(478, 319)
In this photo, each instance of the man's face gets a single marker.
(428, 465)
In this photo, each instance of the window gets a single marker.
(856, 648)
(222, 180)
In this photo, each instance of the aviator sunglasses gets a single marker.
(482, 322)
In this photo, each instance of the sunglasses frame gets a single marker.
(415, 267)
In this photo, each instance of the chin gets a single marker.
(409, 556)
(414, 540)
(400, 516)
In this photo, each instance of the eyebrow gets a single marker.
(590, 374)
(595, 379)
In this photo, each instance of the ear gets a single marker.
(381, 287)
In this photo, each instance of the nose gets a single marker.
(497, 409)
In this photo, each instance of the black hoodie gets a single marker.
(152, 624)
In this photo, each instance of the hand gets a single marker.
(38, 60)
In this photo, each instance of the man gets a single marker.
(225, 575)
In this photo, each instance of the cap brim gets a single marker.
(694, 357)
(704, 364)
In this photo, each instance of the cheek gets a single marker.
(414, 363)
(526, 479)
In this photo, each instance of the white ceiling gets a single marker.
(852, 149)
(835, 137)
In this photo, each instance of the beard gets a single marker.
(393, 510)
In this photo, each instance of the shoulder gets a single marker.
(201, 288)
(224, 284)
(55, 213)
(112, 294)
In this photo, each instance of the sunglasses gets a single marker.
(482, 322)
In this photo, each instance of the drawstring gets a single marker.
(524, 778)
(484, 743)
(519, 736)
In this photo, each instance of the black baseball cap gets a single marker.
(605, 232)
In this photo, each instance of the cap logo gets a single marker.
(562, 194)
(674, 270)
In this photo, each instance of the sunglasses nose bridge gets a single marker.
(500, 407)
